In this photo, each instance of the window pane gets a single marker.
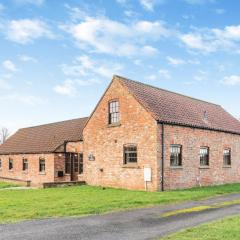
(41, 165)
(130, 154)
(176, 155)
(204, 156)
(67, 164)
(227, 157)
(80, 163)
(113, 112)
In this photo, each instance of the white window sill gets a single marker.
(204, 167)
(176, 167)
(129, 165)
(227, 166)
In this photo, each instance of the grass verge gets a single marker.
(227, 228)
(7, 185)
(17, 205)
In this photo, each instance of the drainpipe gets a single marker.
(163, 156)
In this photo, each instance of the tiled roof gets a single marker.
(174, 108)
(44, 138)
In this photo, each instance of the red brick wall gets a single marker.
(191, 174)
(33, 173)
(106, 143)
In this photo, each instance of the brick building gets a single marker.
(47, 153)
(138, 137)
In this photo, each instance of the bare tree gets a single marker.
(4, 134)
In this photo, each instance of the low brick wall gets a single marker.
(63, 184)
(16, 181)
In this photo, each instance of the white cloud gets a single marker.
(152, 77)
(34, 2)
(84, 71)
(175, 61)
(164, 73)
(26, 30)
(150, 4)
(26, 58)
(9, 65)
(83, 66)
(232, 80)
(66, 88)
(103, 35)
(211, 40)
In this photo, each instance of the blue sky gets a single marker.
(57, 57)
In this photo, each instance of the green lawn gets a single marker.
(7, 185)
(16, 205)
(228, 228)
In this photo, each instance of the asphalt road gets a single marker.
(144, 223)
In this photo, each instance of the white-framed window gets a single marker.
(204, 156)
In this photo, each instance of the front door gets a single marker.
(72, 165)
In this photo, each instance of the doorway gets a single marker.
(74, 165)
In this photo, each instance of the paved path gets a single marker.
(144, 223)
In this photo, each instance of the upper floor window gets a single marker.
(204, 156)
(42, 165)
(227, 157)
(130, 154)
(10, 164)
(113, 112)
(25, 164)
(176, 155)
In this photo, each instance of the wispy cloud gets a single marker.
(163, 73)
(9, 65)
(83, 66)
(231, 80)
(212, 40)
(104, 35)
(85, 72)
(27, 30)
(27, 58)
(175, 61)
(149, 5)
(66, 88)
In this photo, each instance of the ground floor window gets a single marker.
(227, 157)
(41, 165)
(176, 155)
(130, 154)
(80, 163)
(25, 164)
(10, 165)
(0, 163)
(74, 161)
(204, 156)
(68, 163)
